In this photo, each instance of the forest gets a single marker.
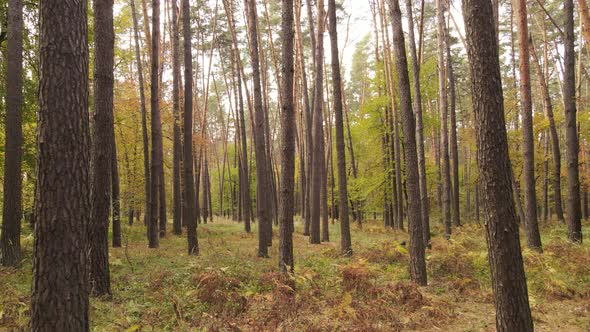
(295, 165)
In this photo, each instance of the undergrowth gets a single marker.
(228, 288)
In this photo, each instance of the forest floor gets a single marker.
(228, 288)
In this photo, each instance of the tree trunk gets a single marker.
(144, 131)
(59, 299)
(442, 91)
(453, 136)
(188, 180)
(156, 127)
(287, 193)
(10, 250)
(417, 261)
(419, 127)
(574, 225)
(116, 200)
(262, 185)
(508, 278)
(177, 145)
(343, 216)
(530, 201)
(318, 158)
(102, 152)
(553, 134)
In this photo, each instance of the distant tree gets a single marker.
(177, 149)
(504, 253)
(59, 299)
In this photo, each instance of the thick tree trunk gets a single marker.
(574, 225)
(417, 260)
(530, 201)
(287, 184)
(102, 148)
(262, 185)
(59, 300)
(343, 216)
(156, 126)
(504, 254)
(10, 250)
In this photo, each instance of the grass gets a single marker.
(228, 288)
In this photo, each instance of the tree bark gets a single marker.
(10, 249)
(115, 199)
(574, 225)
(177, 145)
(156, 127)
(287, 192)
(144, 131)
(343, 216)
(102, 148)
(417, 261)
(59, 300)
(504, 254)
(453, 135)
(262, 185)
(530, 201)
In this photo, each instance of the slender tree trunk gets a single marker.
(345, 241)
(102, 148)
(156, 128)
(417, 260)
(59, 299)
(144, 131)
(262, 185)
(574, 224)
(116, 200)
(177, 148)
(553, 134)
(287, 186)
(508, 278)
(10, 250)
(318, 159)
(530, 201)
(442, 92)
(419, 127)
(453, 135)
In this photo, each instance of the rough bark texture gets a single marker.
(10, 251)
(417, 261)
(59, 300)
(574, 225)
(419, 127)
(287, 194)
(318, 157)
(102, 154)
(262, 187)
(343, 216)
(188, 179)
(508, 278)
(177, 149)
(144, 131)
(530, 201)
(156, 126)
